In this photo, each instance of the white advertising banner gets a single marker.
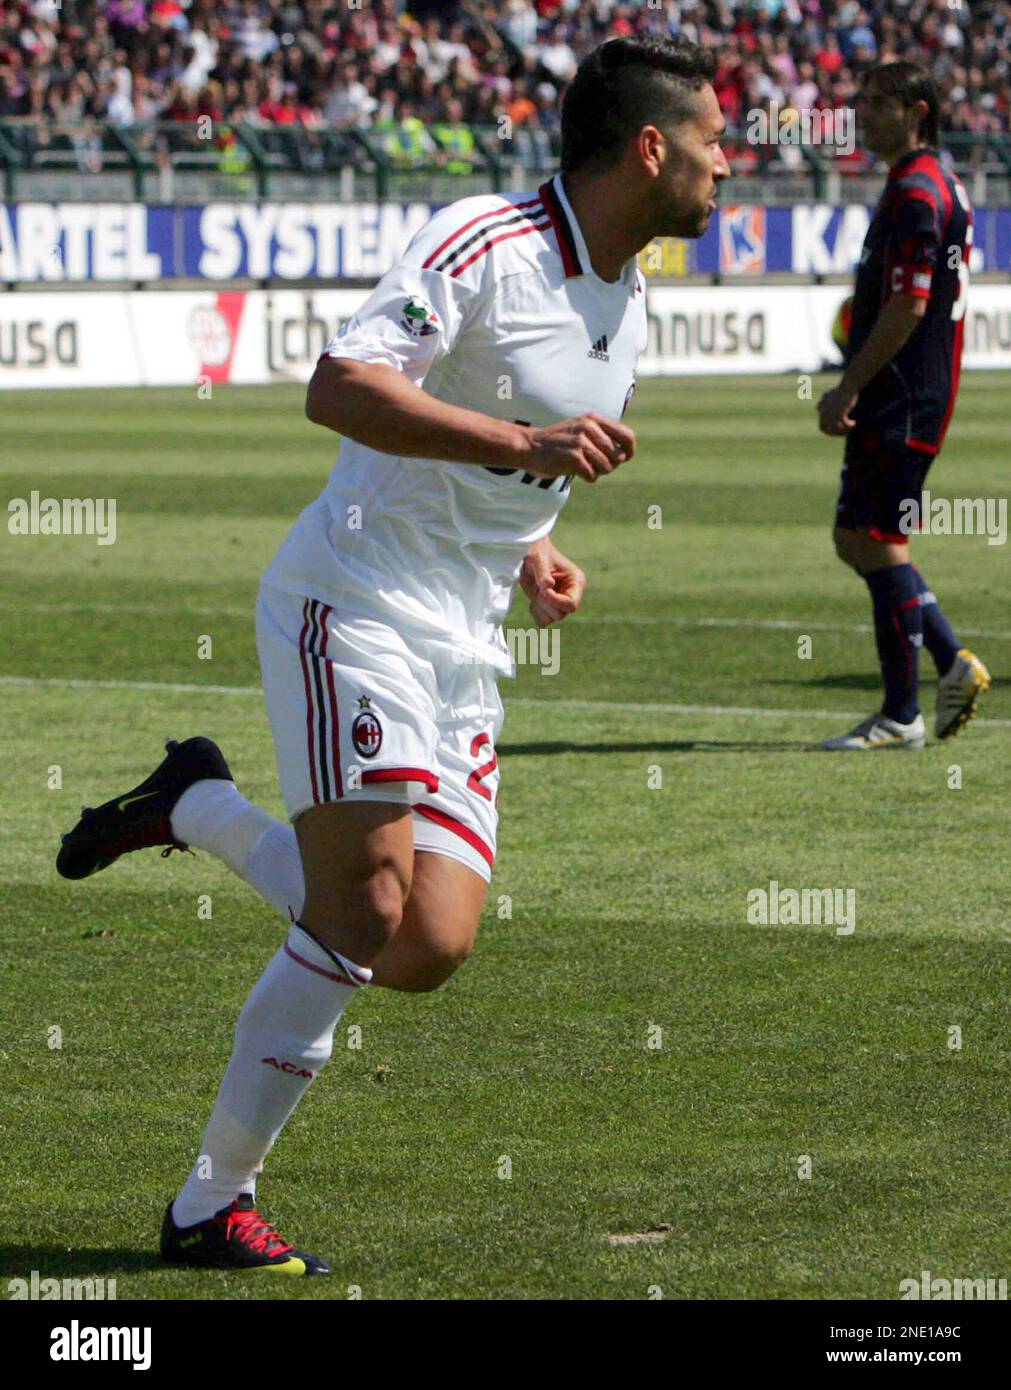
(179, 338)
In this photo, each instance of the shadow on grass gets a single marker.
(56, 1262)
(863, 681)
(702, 745)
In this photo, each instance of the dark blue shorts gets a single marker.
(882, 475)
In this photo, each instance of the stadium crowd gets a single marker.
(385, 64)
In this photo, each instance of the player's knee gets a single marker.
(359, 915)
(879, 554)
(378, 902)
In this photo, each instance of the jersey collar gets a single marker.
(571, 243)
(896, 170)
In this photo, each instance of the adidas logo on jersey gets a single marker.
(599, 350)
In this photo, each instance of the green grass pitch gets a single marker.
(628, 900)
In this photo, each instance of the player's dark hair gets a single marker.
(910, 83)
(624, 84)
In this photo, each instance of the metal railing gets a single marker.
(192, 161)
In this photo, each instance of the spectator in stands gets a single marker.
(519, 108)
(557, 55)
(461, 58)
(548, 117)
(829, 57)
(184, 105)
(405, 138)
(14, 99)
(165, 66)
(126, 14)
(168, 14)
(857, 39)
(118, 98)
(249, 32)
(147, 99)
(386, 53)
(519, 24)
(485, 106)
(455, 139)
(203, 44)
(61, 66)
(804, 93)
(349, 102)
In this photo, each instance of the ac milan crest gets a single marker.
(366, 730)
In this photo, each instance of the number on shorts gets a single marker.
(474, 780)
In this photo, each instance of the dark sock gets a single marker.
(938, 635)
(898, 626)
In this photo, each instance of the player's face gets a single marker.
(882, 119)
(689, 182)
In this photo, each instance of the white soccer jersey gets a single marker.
(496, 307)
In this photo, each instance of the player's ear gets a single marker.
(652, 148)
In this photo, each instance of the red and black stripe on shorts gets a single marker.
(321, 721)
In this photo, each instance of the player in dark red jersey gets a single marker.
(895, 401)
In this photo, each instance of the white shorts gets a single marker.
(360, 713)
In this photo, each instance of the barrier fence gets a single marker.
(208, 336)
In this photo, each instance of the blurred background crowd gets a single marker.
(378, 64)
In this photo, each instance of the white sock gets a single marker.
(215, 816)
(283, 1038)
(274, 868)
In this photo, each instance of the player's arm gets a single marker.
(552, 582)
(379, 406)
(915, 245)
(897, 322)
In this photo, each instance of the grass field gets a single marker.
(628, 901)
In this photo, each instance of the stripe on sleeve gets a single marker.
(481, 239)
(481, 217)
(487, 245)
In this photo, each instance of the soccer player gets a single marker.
(485, 372)
(895, 401)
